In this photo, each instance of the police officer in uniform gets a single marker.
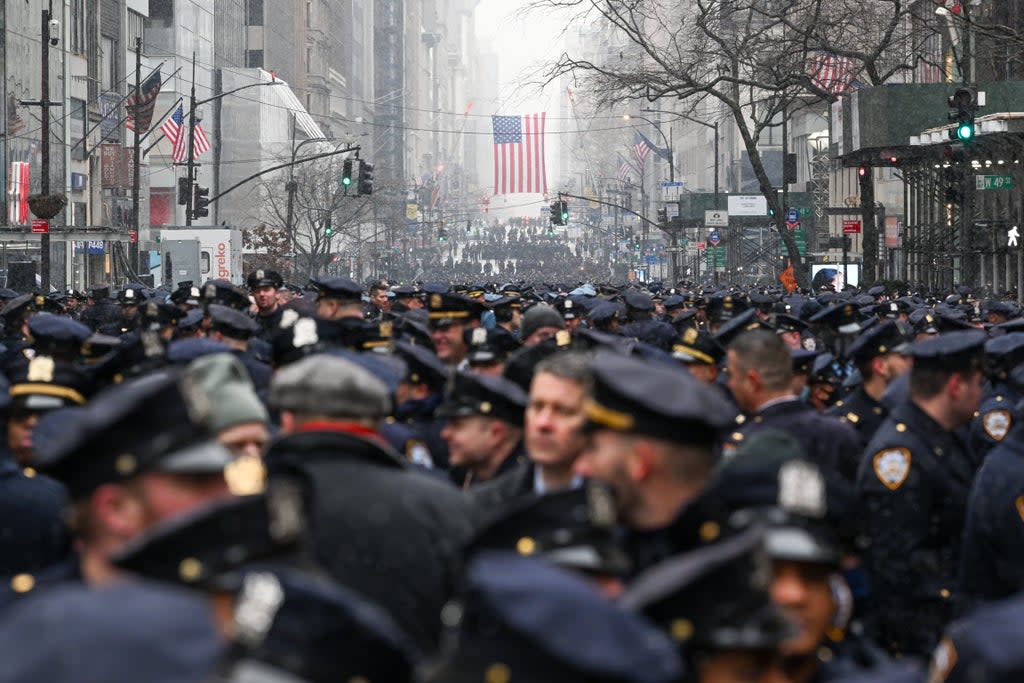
(878, 356)
(998, 410)
(760, 378)
(993, 546)
(913, 482)
(263, 286)
(654, 431)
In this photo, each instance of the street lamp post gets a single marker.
(674, 238)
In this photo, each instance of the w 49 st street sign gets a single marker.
(993, 182)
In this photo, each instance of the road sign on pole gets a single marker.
(716, 219)
(40, 226)
(715, 238)
(851, 227)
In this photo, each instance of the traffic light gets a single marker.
(183, 190)
(565, 213)
(663, 215)
(346, 173)
(962, 104)
(557, 217)
(442, 235)
(365, 184)
(328, 227)
(862, 171)
(200, 201)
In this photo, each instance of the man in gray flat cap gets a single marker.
(379, 526)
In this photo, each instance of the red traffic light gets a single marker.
(862, 170)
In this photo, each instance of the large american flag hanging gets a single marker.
(830, 72)
(519, 154)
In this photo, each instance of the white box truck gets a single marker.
(220, 253)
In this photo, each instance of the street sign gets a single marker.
(716, 219)
(715, 238)
(851, 227)
(792, 216)
(40, 226)
(671, 190)
(993, 182)
(801, 243)
(675, 250)
(716, 257)
(701, 246)
(133, 236)
(748, 205)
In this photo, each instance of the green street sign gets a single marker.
(716, 257)
(993, 182)
(801, 243)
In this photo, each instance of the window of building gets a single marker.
(78, 149)
(78, 38)
(309, 13)
(309, 59)
(133, 28)
(254, 13)
(108, 57)
(254, 59)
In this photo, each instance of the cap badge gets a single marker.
(435, 301)
(40, 369)
(386, 330)
(563, 338)
(479, 336)
(285, 507)
(801, 489)
(259, 275)
(260, 599)
(690, 336)
(304, 333)
(601, 507)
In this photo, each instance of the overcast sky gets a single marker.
(524, 43)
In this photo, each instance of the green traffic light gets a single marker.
(565, 217)
(965, 131)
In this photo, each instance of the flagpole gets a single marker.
(191, 142)
(133, 252)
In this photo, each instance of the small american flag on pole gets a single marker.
(519, 154)
(830, 72)
(624, 169)
(175, 129)
(640, 149)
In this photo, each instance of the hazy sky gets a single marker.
(524, 41)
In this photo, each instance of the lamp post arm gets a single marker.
(280, 166)
(261, 84)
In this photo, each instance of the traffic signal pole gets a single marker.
(189, 204)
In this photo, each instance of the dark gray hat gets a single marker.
(330, 386)
(538, 317)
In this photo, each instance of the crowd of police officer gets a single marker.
(510, 482)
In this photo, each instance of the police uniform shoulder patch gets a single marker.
(417, 453)
(943, 660)
(997, 423)
(892, 466)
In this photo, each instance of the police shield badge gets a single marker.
(892, 466)
(996, 424)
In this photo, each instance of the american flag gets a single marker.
(640, 149)
(830, 72)
(176, 131)
(519, 154)
(15, 124)
(624, 169)
(17, 207)
(146, 98)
